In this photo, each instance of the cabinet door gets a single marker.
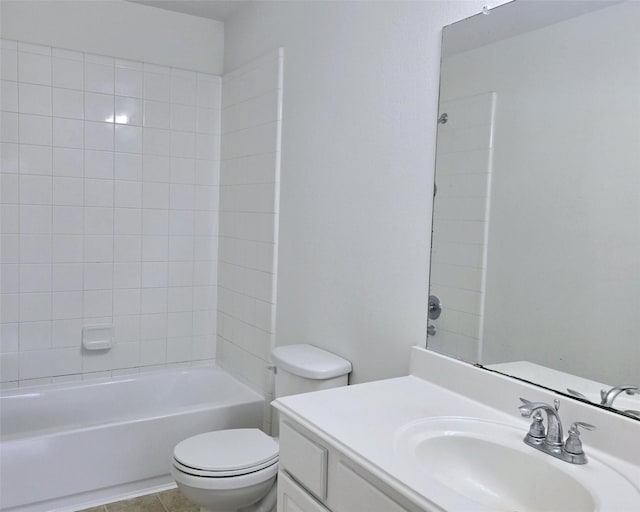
(352, 492)
(293, 498)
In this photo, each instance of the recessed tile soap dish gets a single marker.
(97, 337)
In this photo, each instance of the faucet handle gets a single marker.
(536, 429)
(573, 445)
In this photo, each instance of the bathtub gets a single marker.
(69, 446)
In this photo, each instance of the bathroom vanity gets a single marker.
(447, 437)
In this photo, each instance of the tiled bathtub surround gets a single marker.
(460, 223)
(249, 206)
(109, 212)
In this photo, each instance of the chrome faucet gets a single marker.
(553, 442)
(609, 396)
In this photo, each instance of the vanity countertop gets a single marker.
(367, 421)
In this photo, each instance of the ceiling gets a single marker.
(220, 10)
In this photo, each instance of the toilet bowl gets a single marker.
(228, 470)
(235, 470)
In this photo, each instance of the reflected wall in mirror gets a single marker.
(536, 230)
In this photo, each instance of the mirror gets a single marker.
(536, 225)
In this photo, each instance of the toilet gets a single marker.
(235, 470)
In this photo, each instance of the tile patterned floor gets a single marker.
(166, 501)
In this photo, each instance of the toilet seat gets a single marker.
(225, 453)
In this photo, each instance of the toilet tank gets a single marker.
(303, 368)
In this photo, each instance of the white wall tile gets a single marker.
(156, 142)
(10, 307)
(68, 220)
(155, 195)
(35, 277)
(155, 248)
(128, 167)
(68, 162)
(98, 136)
(155, 274)
(98, 164)
(67, 305)
(127, 248)
(35, 335)
(98, 303)
(126, 301)
(128, 194)
(35, 129)
(34, 68)
(98, 221)
(68, 103)
(183, 87)
(98, 78)
(183, 117)
(127, 275)
(153, 326)
(36, 189)
(10, 188)
(128, 111)
(35, 159)
(98, 276)
(128, 139)
(68, 191)
(209, 88)
(35, 307)
(157, 114)
(85, 225)
(68, 73)
(128, 82)
(35, 249)
(34, 99)
(9, 161)
(67, 277)
(153, 300)
(183, 144)
(155, 222)
(99, 107)
(128, 221)
(66, 333)
(9, 127)
(67, 248)
(8, 96)
(33, 219)
(9, 337)
(157, 87)
(98, 192)
(181, 222)
(182, 197)
(156, 168)
(10, 278)
(98, 249)
(9, 64)
(9, 249)
(68, 133)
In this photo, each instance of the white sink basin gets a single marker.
(488, 464)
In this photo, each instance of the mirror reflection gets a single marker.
(536, 230)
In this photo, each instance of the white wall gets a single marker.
(358, 147)
(105, 222)
(563, 274)
(119, 29)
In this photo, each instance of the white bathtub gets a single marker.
(67, 446)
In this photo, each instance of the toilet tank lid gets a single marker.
(310, 362)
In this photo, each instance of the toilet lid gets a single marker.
(227, 450)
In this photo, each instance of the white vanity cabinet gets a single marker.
(316, 477)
